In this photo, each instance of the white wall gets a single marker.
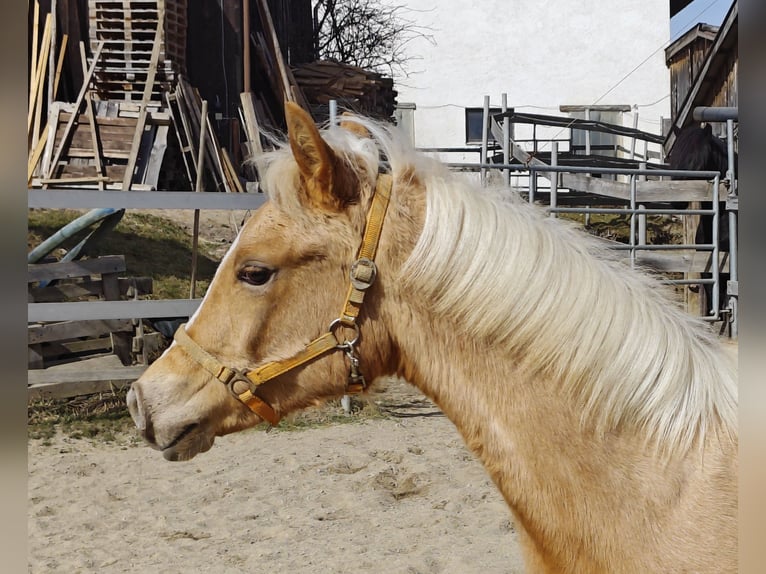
(542, 54)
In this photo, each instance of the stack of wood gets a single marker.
(127, 28)
(101, 140)
(60, 342)
(360, 90)
(186, 110)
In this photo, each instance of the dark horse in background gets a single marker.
(697, 149)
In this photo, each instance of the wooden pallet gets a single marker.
(68, 341)
(127, 28)
(115, 123)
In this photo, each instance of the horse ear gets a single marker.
(676, 130)
(708, 129)
(316, 161)
(354, 127)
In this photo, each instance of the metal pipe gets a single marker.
(715, 114)
(701, 174)
(333, 112)
(642, 216)
(70, 229)
(506, 139)
(554, 178)
(733, 192)
(716, 263)
(484, 138)
(633, 220)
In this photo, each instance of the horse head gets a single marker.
(274, 332)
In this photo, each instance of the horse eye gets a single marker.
(255, 274)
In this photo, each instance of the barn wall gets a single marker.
(684, 67)
(542, 54)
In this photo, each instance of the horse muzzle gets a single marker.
(177, 440)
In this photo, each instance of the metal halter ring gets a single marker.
(237, 376)
(345, 344)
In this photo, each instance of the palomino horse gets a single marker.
(604, 414)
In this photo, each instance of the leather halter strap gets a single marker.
(362, 276)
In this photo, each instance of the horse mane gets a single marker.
(549, 297)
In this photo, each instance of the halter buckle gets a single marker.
(363, 273)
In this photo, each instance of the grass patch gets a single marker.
(659, 228)
(153, 247)
(103, 417)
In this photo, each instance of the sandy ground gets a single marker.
(399, 494)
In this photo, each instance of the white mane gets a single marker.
(545, 294)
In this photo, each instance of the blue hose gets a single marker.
(101, 215)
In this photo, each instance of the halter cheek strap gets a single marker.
(361, 277)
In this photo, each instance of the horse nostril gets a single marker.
(134, 408)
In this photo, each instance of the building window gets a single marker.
(473, 131)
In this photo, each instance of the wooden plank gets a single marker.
(88, 288)
(77, 105)
(52, 383)
(87, 199)
(290, 88)
(111, 286)
(75, 179)
(681, 262)
(91, 113)
(232, 173)
(646, 191)
(183, 145)
(80, 268)
(151, 175)
(60, 64)
(251, 123)
(34, 159)
(35, 357)
(35, 96)
(60, 349)
(74, 329)
(128, 177)
(143, 309)
(35, 37)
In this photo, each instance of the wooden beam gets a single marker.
(251, 123)
(75, 329)
(60, 64)
(70, 269)
(89, 288)
(91, 112)
(35, 37)
(35, 92)
(232, 172)
(153, 61)
(36, 153)
(142, 309)
(285, 74)
(58, 383)
(88, 199)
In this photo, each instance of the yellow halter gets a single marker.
(362, 276)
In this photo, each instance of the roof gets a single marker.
(704, 31)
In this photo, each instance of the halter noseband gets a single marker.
(362, 276)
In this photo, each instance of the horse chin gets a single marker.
(190, 446)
